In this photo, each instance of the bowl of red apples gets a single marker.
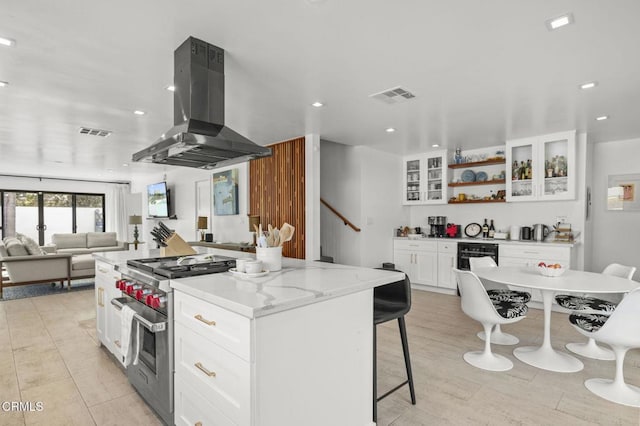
(551, 269)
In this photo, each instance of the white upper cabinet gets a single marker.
(542, 168)
(425, 178)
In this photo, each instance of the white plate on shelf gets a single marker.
(247, 275)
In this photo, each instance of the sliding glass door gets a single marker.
(57, 215)
(20, 214)
(39, 215)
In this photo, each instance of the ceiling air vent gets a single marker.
(393, 96)
(94, 132)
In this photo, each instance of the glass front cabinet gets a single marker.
(542, 168)
(425, 179)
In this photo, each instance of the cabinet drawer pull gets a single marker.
(200, 367)
(530, 252)
(201, 318)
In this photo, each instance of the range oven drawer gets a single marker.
(227, 329)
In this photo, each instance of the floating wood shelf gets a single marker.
(486, 182)
(478, 201)
(478, 163)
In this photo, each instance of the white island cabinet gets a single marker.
(294, 347)
(108, 328)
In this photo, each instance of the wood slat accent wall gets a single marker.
(277, 192)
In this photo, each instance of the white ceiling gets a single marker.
(483, 72)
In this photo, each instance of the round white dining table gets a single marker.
(545, 356)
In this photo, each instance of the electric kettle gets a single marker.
(540, 232)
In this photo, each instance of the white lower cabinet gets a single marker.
(192, 408)
(417, 259)
(426, 262)
(531, 255)
(310, 365)
(108, 324)
(447, 255)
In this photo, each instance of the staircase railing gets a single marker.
(342, 218)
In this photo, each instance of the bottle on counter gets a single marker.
(492, 230)
(485, 229)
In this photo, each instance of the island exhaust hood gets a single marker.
(199, 137)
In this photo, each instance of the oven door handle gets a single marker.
(153, 327)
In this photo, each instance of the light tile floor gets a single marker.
(49, 353)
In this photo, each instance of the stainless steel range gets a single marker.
(146, 289)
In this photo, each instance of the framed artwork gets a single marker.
(225, 193)
(622, 192)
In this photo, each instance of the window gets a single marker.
(42, 214)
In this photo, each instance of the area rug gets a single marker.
(33, 290)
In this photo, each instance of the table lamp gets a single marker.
(202, 226)
(135, 220)
(254, 220)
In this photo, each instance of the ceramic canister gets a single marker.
(514, 232)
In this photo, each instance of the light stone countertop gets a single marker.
(299, 283)
(494, 241)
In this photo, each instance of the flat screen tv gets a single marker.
(158, 200)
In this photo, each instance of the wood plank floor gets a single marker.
(49, 353)
(451, 392)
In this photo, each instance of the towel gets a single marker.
(126, 348)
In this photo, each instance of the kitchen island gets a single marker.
(292, 347)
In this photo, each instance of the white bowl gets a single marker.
(551, 272)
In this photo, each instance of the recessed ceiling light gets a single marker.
(317, 104)
(138, 112)
(589, 85)
(435, 145)
(389, 130)
(559, 21)
(9, 42)
(3, 83)
(125, 165)
(171, 88)
(602, 118)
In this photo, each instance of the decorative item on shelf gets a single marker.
(481, 176)
(254, 221)
(202, 226)
(468, 176)
(135, 220)
(458, 157)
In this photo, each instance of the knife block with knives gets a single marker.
(171, 244)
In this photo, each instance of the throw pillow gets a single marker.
(30, 245)
(15, 247)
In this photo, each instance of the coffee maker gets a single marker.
(437, 226)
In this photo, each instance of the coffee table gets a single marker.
(545, 356)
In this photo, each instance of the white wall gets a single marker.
(615, 233)
(182, 183)
(312, 196)
(364, 185)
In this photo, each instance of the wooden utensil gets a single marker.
(286, 233)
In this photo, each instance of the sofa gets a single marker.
(85, 243)
(68, 258)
